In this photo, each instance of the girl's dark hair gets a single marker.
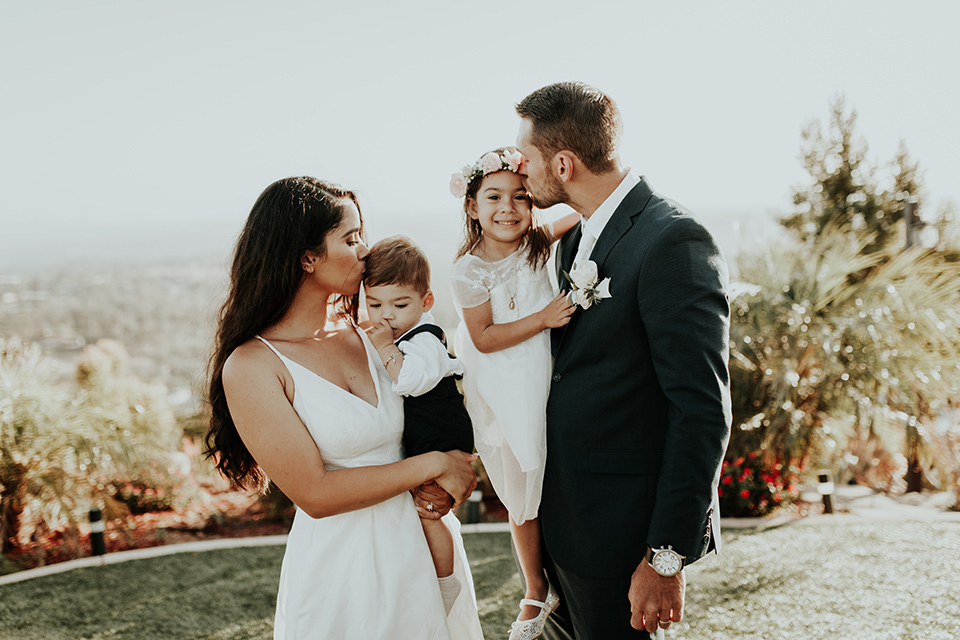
(538, 240)
(291, 216)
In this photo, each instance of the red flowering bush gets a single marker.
(754, 486)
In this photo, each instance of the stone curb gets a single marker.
(140, 554)
(877, 515)
(191, 547)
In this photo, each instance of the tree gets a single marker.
(844, 192)
(853, 238)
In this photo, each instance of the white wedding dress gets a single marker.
(506, 391)
(366, 573)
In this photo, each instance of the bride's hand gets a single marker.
(432, 502)
(457, 476)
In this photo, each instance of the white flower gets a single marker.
(491, 162)
(586, 291)
(583, 276)
(458, 185)
(513, 160)
(579, 297)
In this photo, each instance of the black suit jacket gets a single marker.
(638, 417)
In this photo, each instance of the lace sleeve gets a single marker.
(471, 283)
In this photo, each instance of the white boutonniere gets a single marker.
(586, 290)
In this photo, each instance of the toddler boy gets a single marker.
(414, 351)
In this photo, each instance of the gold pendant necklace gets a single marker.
(513, 304)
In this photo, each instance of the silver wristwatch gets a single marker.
(665, 560)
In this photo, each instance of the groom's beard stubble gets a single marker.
(553, 193)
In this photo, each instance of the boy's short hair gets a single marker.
(397, 260)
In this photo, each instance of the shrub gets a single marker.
(157, 486)
(277, 506)
(834, 350)
(59, 445)
(752, 486)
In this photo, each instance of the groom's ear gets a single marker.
(564, 165)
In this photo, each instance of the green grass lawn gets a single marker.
(896, 580)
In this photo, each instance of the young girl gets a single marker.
(505, 299)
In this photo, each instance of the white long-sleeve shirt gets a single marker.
(425, 362)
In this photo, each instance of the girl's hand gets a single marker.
(564, 224)
(557, 313)
(457, 477)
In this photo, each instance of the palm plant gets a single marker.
(831, 346)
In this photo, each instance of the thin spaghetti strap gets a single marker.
(272, 348)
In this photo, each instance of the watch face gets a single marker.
(667, 562)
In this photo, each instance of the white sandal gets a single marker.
(533, 628)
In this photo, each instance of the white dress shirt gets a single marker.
(592, 227)
(425, 362)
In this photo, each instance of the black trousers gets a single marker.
(590, 608)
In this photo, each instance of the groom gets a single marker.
(639, 412)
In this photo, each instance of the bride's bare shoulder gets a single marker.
(250, 359)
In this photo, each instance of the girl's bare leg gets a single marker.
(527, 538)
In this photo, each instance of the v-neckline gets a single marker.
(370, 369)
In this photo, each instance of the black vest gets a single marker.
(436, 420)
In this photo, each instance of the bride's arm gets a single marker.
(272, 431)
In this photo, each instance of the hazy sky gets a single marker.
(144, 130)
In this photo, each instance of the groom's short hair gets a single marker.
(397, 260)
(574, 116)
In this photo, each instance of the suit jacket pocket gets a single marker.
(641, 462)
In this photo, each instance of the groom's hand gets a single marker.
(655, 600)
(432, 501)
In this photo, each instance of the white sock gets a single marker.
(449, 590)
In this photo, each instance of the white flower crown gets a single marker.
(490, 162)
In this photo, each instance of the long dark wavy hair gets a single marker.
(290, 217)
(537, 241)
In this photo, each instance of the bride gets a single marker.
(296, 397)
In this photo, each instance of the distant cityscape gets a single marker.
(163, 315)
(159, 297)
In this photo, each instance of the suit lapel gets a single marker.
(565, 254)
(621, 220)
(564, 258)
(619, 223)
